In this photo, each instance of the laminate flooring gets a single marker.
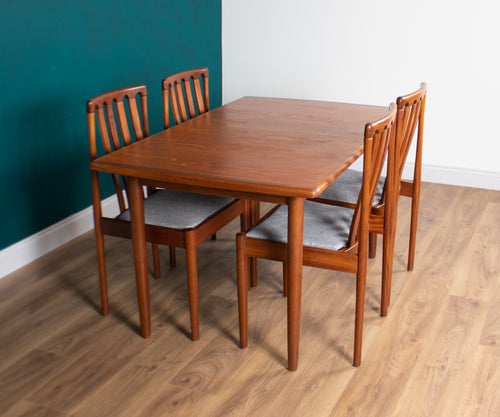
(437, 353)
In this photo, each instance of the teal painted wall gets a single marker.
(55, 55)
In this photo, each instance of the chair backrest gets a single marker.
(117, 135)
(378, 135)
(411, 108)
(177, 89)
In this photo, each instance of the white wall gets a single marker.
(372, 51)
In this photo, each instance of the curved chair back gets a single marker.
(411, 109)
(114, 122)
(378, 135)
(178, 91)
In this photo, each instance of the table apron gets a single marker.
(244, 195)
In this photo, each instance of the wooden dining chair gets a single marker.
(177, 90)
(186, 95)
(410, 115)
(335, 237)
(173, 218)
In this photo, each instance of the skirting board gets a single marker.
(41, 243)
(456, 176)
(37, 245)
(452, 176)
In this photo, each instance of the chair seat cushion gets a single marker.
(325, 226)
(346, 188)
(179, 210)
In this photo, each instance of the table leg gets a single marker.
(295, 259)
(136, 203)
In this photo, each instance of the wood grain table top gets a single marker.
(261, 146)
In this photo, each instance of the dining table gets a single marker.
(254, 148)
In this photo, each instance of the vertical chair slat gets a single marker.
(103, 130)
(122, 118)
(379, 158)
(136, 121)
(180, 99)
(175, 105)
(205, 91)
(377, 166)
(189, 97)
(412, 125)
(110, 113)
(406, 139)
(92, 136)
(413, 111)
(145, 120)
(404, 123)
(166, 113)
(199, 97)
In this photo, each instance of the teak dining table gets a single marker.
(255, 148)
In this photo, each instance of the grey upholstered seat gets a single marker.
(346, 188)
(325, 226)
(178, 209)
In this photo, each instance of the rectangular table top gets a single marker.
(255, 145)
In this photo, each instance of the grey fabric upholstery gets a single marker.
(325, 226)
(178, 209)
(347, 187)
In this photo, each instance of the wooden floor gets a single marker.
(437, 353)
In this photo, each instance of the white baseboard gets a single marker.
(41, 243)
(37, 245)
(456, 176)
(452, 176)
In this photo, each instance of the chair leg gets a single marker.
(99, 238)
(372, 245)
(361, 281)
(246, 221)
(192, 278)
(242, 288)
(415, 192)
(173, 259)
(285, 280)
(387, 264)
(156, 260)
(253, 272)
(415, 200)
(390, 221)
(254, 217)
(245, 217)
(360, 310)
(256, 211)
(101, 262)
